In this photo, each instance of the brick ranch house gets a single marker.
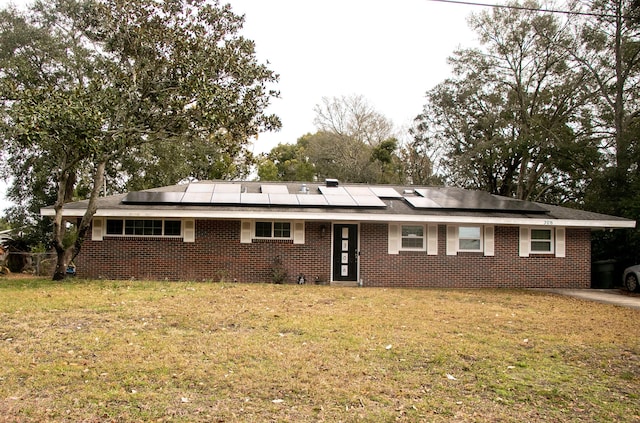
(344, 235)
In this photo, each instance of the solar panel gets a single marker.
(274, 189)
(359, 191)
(340, 200)
(153, 197)
(422, 203)
(452, 198)
(385, 192)
(311, 200)
(197, 197)
(252, 198)
(368, 201)
(226, 198)
(172, 197)
(200, 187)
(332, 190)
(283, 199)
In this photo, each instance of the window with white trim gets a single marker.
(413, 238)
(470, 238)
(474, 239)
(541, 241)
(144, 227)
(276, 230)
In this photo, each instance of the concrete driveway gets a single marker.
(608, 296)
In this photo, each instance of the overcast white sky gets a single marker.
(390, 52)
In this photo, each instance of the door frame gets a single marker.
(356, 277)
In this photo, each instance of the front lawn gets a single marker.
(96, 351)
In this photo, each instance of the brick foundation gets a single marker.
(218, 255)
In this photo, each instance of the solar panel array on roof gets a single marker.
(457, 199)
(271, 194)
(333, 196)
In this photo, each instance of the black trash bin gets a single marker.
(603, 274)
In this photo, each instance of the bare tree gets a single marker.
(352, 117)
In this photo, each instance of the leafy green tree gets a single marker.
(515, 118)
(87, 85)
(287, 162)
(609, 49)
(385, 155)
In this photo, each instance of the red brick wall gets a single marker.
(217, 254)
(474, 270)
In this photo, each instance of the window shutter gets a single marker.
(489, 243)
(189, 234)
(525, 241)
(560, 242)
(452, 240)
(432, 240)
(246, 229)
(394, 238)
(97, 229)
(298, 232)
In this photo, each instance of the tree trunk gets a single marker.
(68, 254)
(62, 262)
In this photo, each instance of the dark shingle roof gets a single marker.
(439, 203)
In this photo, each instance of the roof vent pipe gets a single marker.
(331, 182)
(304, 189)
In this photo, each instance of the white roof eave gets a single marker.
(349, 217)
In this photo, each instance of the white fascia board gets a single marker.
(352, 217)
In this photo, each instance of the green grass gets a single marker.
(97, 351)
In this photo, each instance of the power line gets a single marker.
(531, 9)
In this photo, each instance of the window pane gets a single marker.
(469, 232)
(470, 244)
(172, 227)
(263, 229)
(114, 227)
(143, 227)
(412, 231)
(413, 242)
(541, 246)
(282, 229)
(152, 227)
(130, 227)
(544, 234)
(147, 227)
